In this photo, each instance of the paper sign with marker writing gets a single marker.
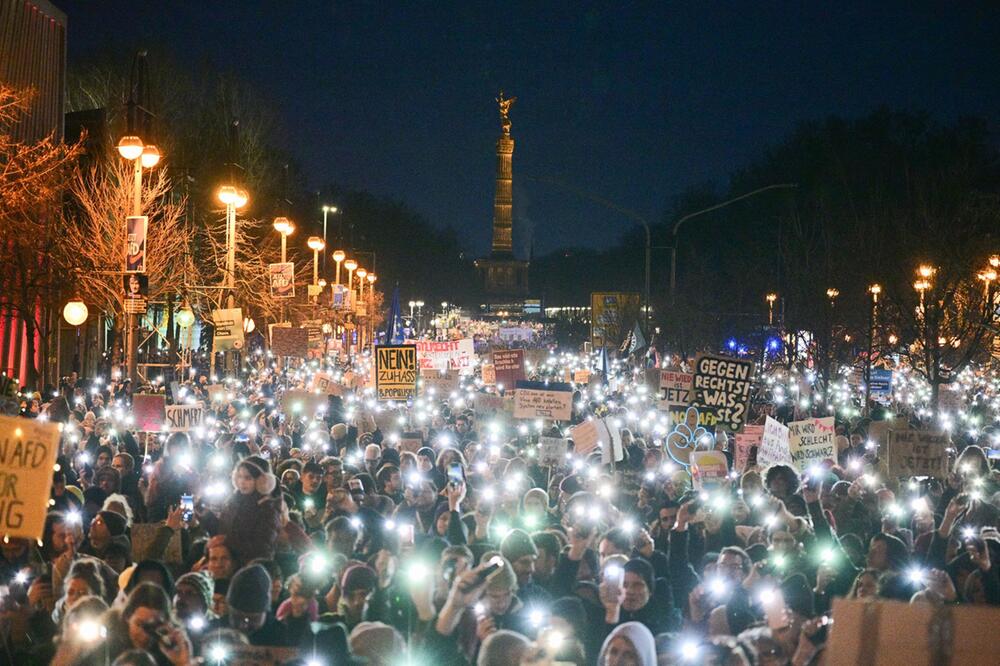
(552, 450)
(537, 400)
(721, 386)
(183, 418)
(811, 441)
(917, 453)
(149, 412)
(28, 450)
(774, 444)
(677, 386)
(708, 469)
(745, 441)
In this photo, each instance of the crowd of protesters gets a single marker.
(434, 537)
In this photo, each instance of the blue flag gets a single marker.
(394, 322)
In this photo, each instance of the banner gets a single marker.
(182, 418)
(552, 451)
(709, 469)
(677, 386)
(811, 441)
(917, 453)
(136, 228)
(149, 412)
(774, 445)
(538, 400)
(28, 450)
(282, 277)
(395, 372)
(721, 385)
(135, 287)
(291, 342)
(516, 334)
(228, 329)
(748, 438)
(508, 367)
(432, 355)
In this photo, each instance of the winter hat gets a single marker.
(571, 610)
(377, 642)
(390, 457)
(644, 570)
(427, 452)
(516, 545)
(260, 470)
(109, 473)
(358, 577)
(798, 595)
(338, 431)
(115, 522)
(572, 484)
(250, 590)
(200, 581)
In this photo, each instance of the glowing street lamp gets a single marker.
(326, 209)
(316, 244)
(832, 295)
(233, 198)
(350, 265)
(361, 283)
(338, 256)
(75, 311)
(286, 228)
(770, 298)
(874, 290)
(184, 316)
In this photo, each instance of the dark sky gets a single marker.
(631, 101)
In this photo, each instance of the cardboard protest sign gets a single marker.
(441, 355)
(298, 403)
(581, 376)
(508, 366)
(597, 433)
(323, 382)
(182, 418)
(443, 383)
(586, 437)
(411, 441)
(709, 469)
(721, 385)
(917, 453)
(290, 341)
(677, 413)
(28, 450)
(677, 386)
(774, 444)
(745, 441)
(487, 405)
(811, 441)
(149, 412)
(611, 442)
(552, 450)
(216, 392)
(538, 400)
(489, 372)
(395, 372)
(228, 333)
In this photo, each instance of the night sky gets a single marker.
(632, 101)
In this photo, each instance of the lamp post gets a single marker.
(146, 156)
(233, 198)
(874, 290)
(412, 305)
(75, 313)
(316, 244)
(326, 209)
(350, 265)
(362, 273)
(770, 298)
(831, 293)
(286, 228)
(338, 256)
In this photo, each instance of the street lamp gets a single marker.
(184, 316)
(874, 290)
(771, 298)
(286, 228)
(233, 198)
(412, 305)
(75, 311)
(338, 256)
(316, 244)
(361, 283)
(832, 295)
(350, 265)
(326, 209)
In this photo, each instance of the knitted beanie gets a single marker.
(250, 590)
(644, 570)
(358, 577)
(516, 545)
(115, 522)
(200, 581)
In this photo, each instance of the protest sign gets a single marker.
(508, 365)
(552, 450)
(597, 433)
(136, 228)
(441, 355)
(299, 403)
(811, 441)
(228, 332)
(515, 333)
(748, 438)
(411, 441)
(323, 382)
(917, 453)
(148, 410)
(136, 290)
(261, 655)
(489, 373)
(216, 392)
(282, 277)
(677, 386)
(677, 413)
(538, 400)
(443, 383)
(709, 469)
(581, 376)
(585, 436)
(774, 444)
(487, 405)
(721, 385)
(183, 418)
(395, 372)
(143, 535)
(291, 342)
(880, 384)
(28, 450)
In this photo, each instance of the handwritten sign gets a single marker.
(182, 418)
(441, 355)
(811, 441)
(28, 450)
(745, 441)
(508, 366)
(586, 437)
(290, 341)
(298, 403)
(917, 453)
(709, 469)
(552, 450)
(487, 404)
(774, 444)
(677, 386)
(721, 385)
(443, 383)
(489, 374)
(323, 382)
(537, 400)
(148, 410)
(395, 372)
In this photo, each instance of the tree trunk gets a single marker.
(29, 334)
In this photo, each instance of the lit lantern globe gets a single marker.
(184, 317)
(75, 312)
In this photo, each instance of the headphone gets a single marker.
(263, 484)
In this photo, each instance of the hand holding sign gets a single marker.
(28, 452)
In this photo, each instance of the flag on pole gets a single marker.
(605, 365)
(638, 340)
(394, 322)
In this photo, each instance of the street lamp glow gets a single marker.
(926, 271)
(150, 156)
(362, 273)
(227, 194)
(875, 290)
(130, 147)
(75, 312)
(995, 261)
(371, 278)
(339, 255)
(184, 317)
(284, 226)
(832, 293)
(315, 243)
(350, 265)
(241, 198)
(771, 298)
